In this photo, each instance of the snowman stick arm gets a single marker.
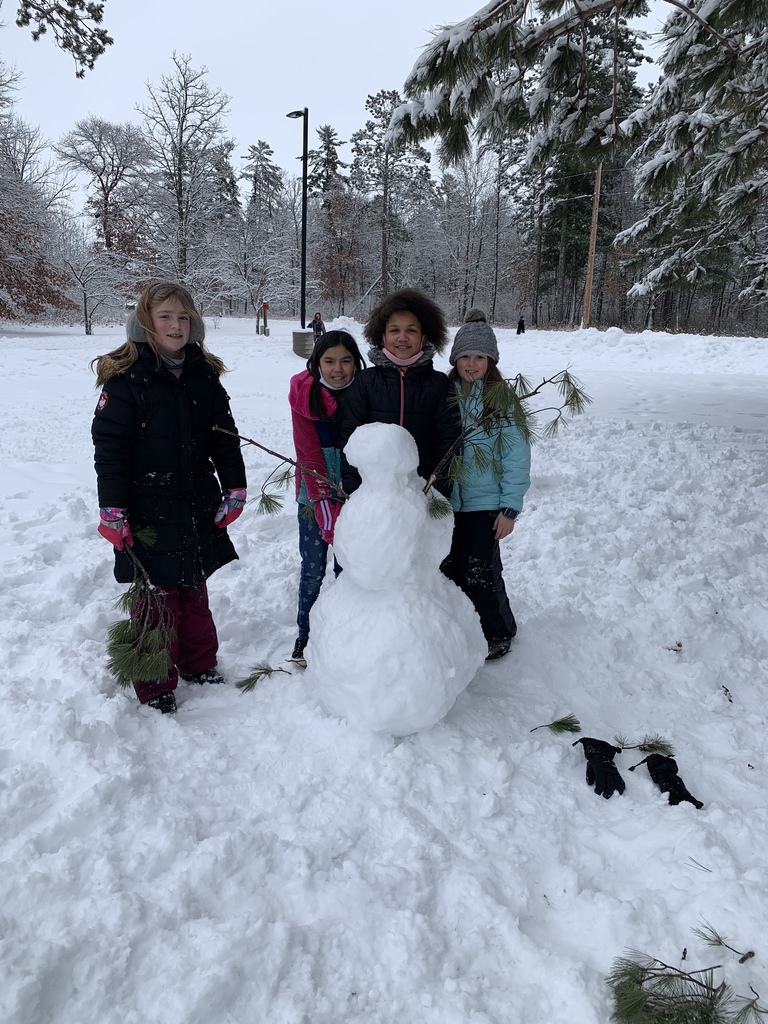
(285, 458)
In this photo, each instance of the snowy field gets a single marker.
(255, 859)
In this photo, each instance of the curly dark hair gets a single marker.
(408, 300)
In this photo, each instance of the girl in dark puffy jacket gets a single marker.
(404, 331)
(161, 464)
(316, 397)
(318, 328)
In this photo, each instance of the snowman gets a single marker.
(394, 642)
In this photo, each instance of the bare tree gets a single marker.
(184, 130)
(112, 155)
(98, 282)
(30, 282)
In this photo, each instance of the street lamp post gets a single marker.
(304, 156)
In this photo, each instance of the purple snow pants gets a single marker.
(195, 645)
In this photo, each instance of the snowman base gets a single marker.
(398, 677)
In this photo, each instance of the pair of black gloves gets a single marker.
(603, 774)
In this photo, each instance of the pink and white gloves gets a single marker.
(231, 507)
(113, 525)
(326, 514)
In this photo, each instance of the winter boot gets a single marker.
(208, 675)
(297, 656)
(165, 702)
(498, 647)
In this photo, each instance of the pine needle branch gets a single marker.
(505, 402)
(146, 534)
(268, 504)
(650, 744)
(569, 723)
(648, 991)
(138, 647)
(287, 460)
(712, 937)
(260, 671)
(438, 507)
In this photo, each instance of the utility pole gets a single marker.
(592, 244)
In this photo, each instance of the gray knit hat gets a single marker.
(475, 314)
(474, 339)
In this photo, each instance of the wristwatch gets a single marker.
(510, 513)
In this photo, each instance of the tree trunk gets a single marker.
(539, 247)
(560, 302)
(385, 227)
(87, 314)
(496, 238)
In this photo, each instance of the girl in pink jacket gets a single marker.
(316, 397)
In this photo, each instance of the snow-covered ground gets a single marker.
(254, 859)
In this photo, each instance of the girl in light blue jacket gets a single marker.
(488, 495)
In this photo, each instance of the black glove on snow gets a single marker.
(663, 771)
(602, 773)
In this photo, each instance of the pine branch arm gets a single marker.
(284, 458)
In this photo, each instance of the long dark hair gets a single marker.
(329, 340)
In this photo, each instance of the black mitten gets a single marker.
(663, 771)
(602, 773)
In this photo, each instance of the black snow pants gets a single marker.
(474, 565)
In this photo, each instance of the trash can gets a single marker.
(303, 343)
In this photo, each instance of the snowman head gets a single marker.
(381, 452)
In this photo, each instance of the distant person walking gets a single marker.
(318, 328)
(521, 326)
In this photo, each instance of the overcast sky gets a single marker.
(269, 56)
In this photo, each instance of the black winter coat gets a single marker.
(156, 453)
(374, 396)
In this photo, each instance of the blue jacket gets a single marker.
(503, 474)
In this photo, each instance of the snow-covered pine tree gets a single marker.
(521, 65)
(265, 179)
(393, 176)
(325, 165)
(704, 158)
(258, 259)
(75, 26)
(563, 83)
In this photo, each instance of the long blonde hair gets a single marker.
(139, 329)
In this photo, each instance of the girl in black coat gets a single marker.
(318, 328)
(157, 462)
(405, 331)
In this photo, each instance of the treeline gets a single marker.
(503, 222)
